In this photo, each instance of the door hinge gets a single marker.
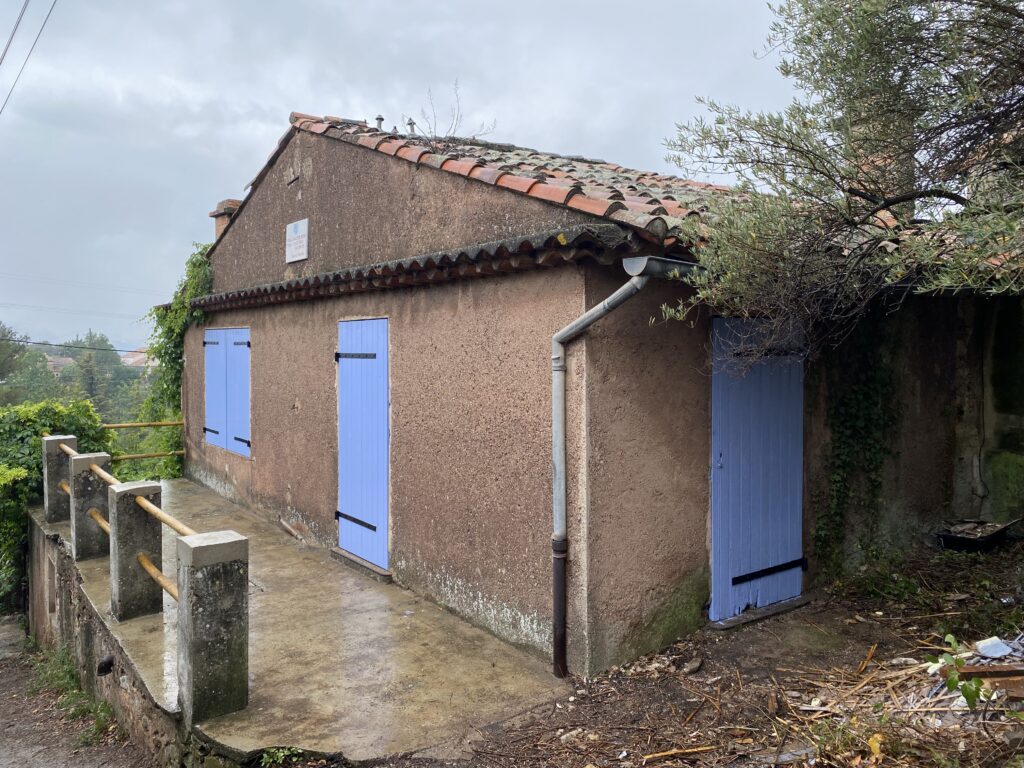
(213, 431)
(800, 562)
(356, 520)
(243, 440)
(240, 343)
(210, 343)
(354, 356)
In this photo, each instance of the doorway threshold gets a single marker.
(756, 614)
(363, 566)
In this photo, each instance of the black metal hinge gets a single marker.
(356, 520)
(354, 356)
(243, 440)
(213, 431)
(240, 343)
(210, 343)
(800, 562)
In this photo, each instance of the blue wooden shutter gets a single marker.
(237, 391)
(215, 356)
(363, 439)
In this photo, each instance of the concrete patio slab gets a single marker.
(339, 662)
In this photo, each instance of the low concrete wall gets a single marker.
(61, 614)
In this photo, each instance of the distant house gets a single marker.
(56, 364)
(380, 366)
(138, 358)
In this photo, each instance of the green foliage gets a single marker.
(22, 426)
(862, 417)
(32, 380)
(10, 351)
(21, 473)
(275, 756)
(55, 672)
(900, 160)
(951, 662)
(167, 343)
(167, 347)
(13, 500)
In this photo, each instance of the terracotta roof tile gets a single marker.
(485, 173)
(461, 167)
(552, 193)
(654, 204)
(518, 183)
(593, 205)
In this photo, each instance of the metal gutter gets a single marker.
(642, 269)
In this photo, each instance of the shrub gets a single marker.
(22, 427)
(21, 474)
(13, 500)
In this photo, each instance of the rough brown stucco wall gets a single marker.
(920, 346)
(470, 435)
(648, 419)
(365, 207)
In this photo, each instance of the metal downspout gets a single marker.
(559, 537)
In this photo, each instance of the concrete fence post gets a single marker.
(213, 624)
(88, 492)
(56, 503)
(133, 530)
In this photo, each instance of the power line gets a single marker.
(17, 23)
(68, 346)
(27, 57)
(67, 310)
(80, 284)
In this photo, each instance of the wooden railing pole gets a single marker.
(157, 575)
(130, 424)
(171, 522)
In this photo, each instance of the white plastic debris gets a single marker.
(993, 648)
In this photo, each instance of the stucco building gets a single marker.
(378, 368)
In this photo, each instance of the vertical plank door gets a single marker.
(363, 439)
(756, 477)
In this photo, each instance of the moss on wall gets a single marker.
(681, 613)
(1007, 377)
(1005, 464)
(1006, 484)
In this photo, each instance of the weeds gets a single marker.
(55, 673)
(275, 756)
(968, 595)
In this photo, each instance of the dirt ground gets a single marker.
(841, 681)
(36, 733)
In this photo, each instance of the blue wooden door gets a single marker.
(756, 477)
(238, 437)
(215, 426)
(363, 439)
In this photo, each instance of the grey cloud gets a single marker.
(133, 119)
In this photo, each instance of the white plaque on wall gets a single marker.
(296, 241)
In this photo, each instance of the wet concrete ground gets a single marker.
(338, 662)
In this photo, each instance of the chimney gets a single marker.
(222, 214)
(380, 122)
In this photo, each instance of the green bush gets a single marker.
(22, 427)
(21, 474)
(13, 500)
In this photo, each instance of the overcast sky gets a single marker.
(133, 119)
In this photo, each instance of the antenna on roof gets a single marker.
(380, 122)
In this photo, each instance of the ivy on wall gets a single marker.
(170, 322)
(167, 348)
(863, 417)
